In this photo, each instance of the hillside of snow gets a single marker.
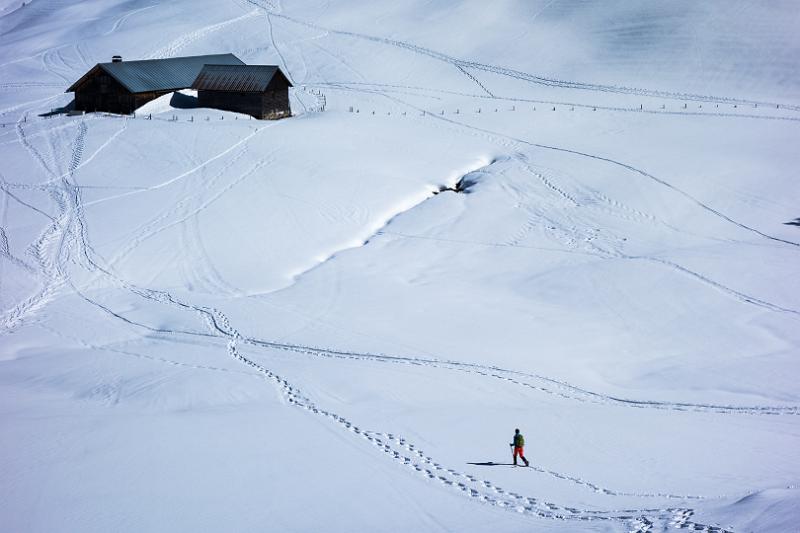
(575, 218)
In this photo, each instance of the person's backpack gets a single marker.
(519, 441)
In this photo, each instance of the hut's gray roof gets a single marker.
(160, 74)
(237, 78)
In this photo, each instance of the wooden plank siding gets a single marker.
(269, 105)
(122, 87)
(261, 91)
(101, 92)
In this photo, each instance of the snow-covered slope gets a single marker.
(575, 218)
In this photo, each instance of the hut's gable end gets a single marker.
(99, 91)
(85, 80)
(101, 82)
(261, 91)
(279, 82)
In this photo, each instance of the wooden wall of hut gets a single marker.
(101, 92)
(267, 105)
(275, 104)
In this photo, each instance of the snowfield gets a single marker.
(579, 219)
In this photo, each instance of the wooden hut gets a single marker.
(261, 91)
(123, 86)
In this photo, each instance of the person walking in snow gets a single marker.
(518, 445)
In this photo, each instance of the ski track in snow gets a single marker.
(75, 163)
(535, 382)
(410, 456)
(616, 207)
(284, 65)
(462, 65)
(67, 233)
(571, 239)
(204, 272)
(175, 46)
(49, 251)
(120, 21)
(413, 458)
(402, 451)
(73, 234)
(185, 211)
(189, 172)
(745, 298)
(683, 193)
(505, 140)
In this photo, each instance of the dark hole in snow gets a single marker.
(795, 222)
(467, 181)
(462, 186)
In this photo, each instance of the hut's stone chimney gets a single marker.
(116, 59)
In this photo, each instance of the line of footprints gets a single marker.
(410, 456)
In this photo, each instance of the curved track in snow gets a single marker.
(465, 65)
(65, 243)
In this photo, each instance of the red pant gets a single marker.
(518, 451)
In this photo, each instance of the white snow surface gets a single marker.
(214, 323)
